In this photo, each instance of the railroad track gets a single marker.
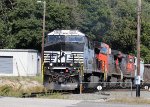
(36, 94)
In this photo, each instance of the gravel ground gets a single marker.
(107, 95)
(97, 99)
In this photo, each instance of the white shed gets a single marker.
(19, 62)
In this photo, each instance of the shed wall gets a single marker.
(146, 74)
(24, 63)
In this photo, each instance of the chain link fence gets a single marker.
(113, 89)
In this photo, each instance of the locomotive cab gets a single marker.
(102, 53)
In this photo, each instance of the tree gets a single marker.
(110, 21)
(23, 22)
(97, 18)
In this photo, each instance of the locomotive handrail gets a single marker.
(81, 74)
(121, 73)
(105, 72)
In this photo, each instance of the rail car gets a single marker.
(71, 57)
(117, 66)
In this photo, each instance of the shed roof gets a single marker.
(66, 32)
(18, 50)
(147, 65)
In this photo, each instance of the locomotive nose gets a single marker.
(61, 79)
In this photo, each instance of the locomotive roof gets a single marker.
(66, 32)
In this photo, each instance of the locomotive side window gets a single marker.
(90, 44)
(97, 51)
(104, 50)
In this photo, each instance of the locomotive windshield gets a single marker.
(104, 50)
(67, 47)
(65, 43)
(62, 38)
(55, 38)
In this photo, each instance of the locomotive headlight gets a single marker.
(51, 64)
(71, 64)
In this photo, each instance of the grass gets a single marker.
(9, 91)
(52, 95)
(130, 100)
(27, 78)
(16, 86)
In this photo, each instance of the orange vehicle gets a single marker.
(102, 57)
(130, 64)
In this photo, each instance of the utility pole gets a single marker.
(42, 60)
(42, 49)
(43, 32)
(138, 79)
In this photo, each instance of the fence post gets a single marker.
(131, 89)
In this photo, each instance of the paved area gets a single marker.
(102, 104)
(107, 95)
(36, 102)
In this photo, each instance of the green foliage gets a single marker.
(145, 53)
(97, 17)
(23, 22)
(110, 21)
(59, 16)
(123, 27)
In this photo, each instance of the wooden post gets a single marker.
(138, 48)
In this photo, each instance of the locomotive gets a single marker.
(70, 58)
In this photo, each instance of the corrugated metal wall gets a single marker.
(18, 62)
(6, 64)
(146, 74)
